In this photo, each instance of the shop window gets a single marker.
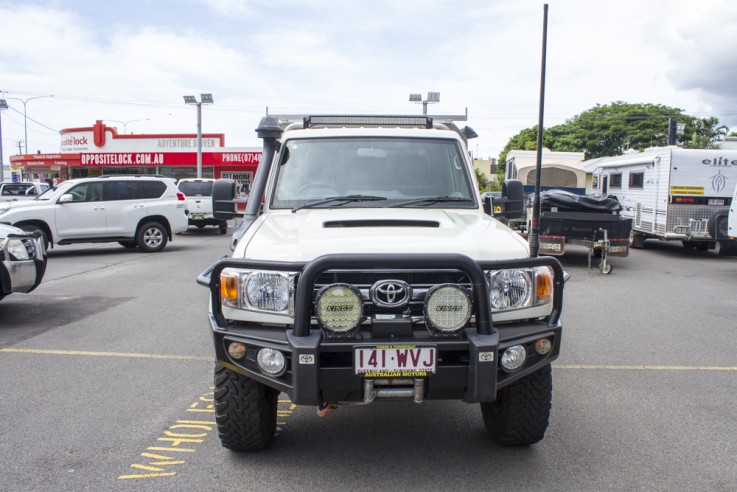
(615, 180)
(637, 180)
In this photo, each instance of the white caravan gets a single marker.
(672, 193)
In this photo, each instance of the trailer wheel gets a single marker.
(605, 268)
(245, 411)
(637, 241)
(519, 416)
(727, 248)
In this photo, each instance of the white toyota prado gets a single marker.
(143, 211)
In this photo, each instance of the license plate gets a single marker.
(393, 361)
(716, 201)
(198, 217)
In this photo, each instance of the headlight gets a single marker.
(447, 308)
(268, 291)
(17, 249)
(520, 288)
(339, 308)
(509, 289)
(257, 291)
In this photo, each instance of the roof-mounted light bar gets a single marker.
(367, 120)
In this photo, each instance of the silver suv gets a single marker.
(143, 211)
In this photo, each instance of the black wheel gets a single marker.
(152, 237)
(637, 241)
(223, 228)
(717, 226)
(33, 229)
(519, 416)
(245, 411)
(727, 248)
(128, 244)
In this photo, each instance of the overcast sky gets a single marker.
(135, 59)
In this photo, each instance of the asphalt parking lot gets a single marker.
(107, 374)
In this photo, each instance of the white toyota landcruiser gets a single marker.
(373, 271)
(143, 211)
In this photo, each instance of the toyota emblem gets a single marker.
(391, 293)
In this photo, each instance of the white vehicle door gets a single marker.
(124, 207)
(84, 215)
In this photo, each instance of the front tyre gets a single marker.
(33, 229)
(152, 237)
(519, 416)
(245, 411)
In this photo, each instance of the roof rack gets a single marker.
(439, 121)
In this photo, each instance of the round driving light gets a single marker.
(268, 291)
(237, 350)
(271, 361)
(543, 346)
(514, 357)
(447, 308)
(339, 307)
(509, 289)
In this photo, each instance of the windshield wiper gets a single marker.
(431, 199)
(345, 199)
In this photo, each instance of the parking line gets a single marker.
(106, 354)
(610, 367)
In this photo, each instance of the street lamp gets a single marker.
(125, 123)
(432, 97)
(3, 105)
(25, 116)
(204, 99)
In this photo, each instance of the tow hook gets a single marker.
(326, 408)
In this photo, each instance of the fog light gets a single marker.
(514, 357)
(271, 361)
(237, 350)
(543, 346)
(339, 308)
(447, 308)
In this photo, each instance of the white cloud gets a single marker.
(322, 56)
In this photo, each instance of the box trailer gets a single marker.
(590, 221)
(672, 194)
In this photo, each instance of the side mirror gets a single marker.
(67, 197)
(224, 199)
(511, 205)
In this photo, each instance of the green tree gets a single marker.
(482, 179)
(707, 133)
(614, 128)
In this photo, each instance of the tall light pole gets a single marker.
(125, 123)
(25, 116)
(432, 98)
(204, 99)
(3, 105)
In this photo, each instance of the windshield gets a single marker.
(55, 191)
(196, 188)
(372, 172)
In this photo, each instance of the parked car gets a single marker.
(143, 211)
(198, 193)
(10, 192)
(22, 260)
